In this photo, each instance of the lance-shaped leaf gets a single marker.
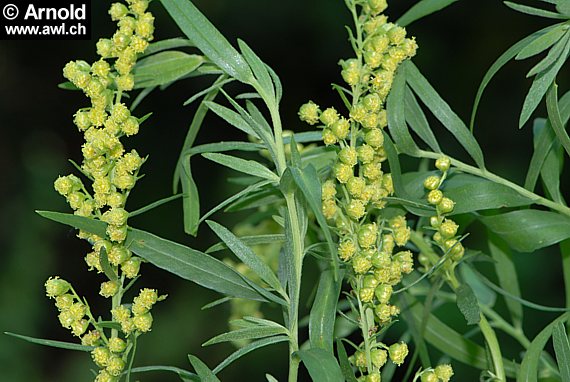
(321, 364)
(562, 349)
(421, 9)
(323, 312)
(397, 115)
(165, 67)
(51, 343)
(90, 225)
(208, 39)
(203, 371)
(249, 167)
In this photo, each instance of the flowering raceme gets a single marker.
(113, 173)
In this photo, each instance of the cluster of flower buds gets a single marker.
(445, 237)
(113, 173)
(442, 373)
(355, 194)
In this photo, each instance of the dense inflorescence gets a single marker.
(113, 173)
(371, 240)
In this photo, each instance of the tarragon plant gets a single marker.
(390, 245)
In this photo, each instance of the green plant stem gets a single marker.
(500, 323)
(494, 348)
(483, 173)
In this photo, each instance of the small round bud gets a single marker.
(340, 128)
(406, 261)
(329, 208)
(56, 287)
(383, 293)
(117, 234)
(383, 313)
(445, 206)
(115, 216)
(398, 352)
(131, 267)
(64, 302)
(348, 156)
(444, 372)
(329, 116)
(355, 209)
(79, 327)
(117, 345)
(81, 120)
(309, 113)
(456, 249)
(374, 138)
(104, 376)
(367, 235)
(115, 365)
(101, 356)
(109, 289)
(373, 377)
(434, 197)
(387, 243)
(329, 138)
(143, 323)
(343, 172)
(355, 186)
(370, 121)
(121, 314)
(372, 171)
(366, 294)
(448, 229)
(365, 153)
(435, 221)
(118, 11)
(432, 182)
(396, 35)
(377, 6)
(372, 102)
(369, 281)
(378, 357)
(328, 190)
(125, 82)
(443, 163)
(361, 264)
(429, 376)
(346, 249)
(373, 59)
(381, 259)
(402, 235)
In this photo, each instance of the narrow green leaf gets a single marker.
(418, 122)
(90, 225)
(529, 365)
(249, 348)
(164, 67)
(246, 334)
(421, 9)
(541, 84)
(529, 230)
(51, 343)
(500, 62)
(323, 312)
(468, 304)
(543, 140)
(171, 43)
(247, 256)
(534, 11)
(270, 378)
(345, 365)
(397, 116)
(551, 57)
(106, 266)
(184, 374)
(565, 252)
(232, 118)
(259, 69)
(322, 365)
(277, 83)
(555, 118)
(308, 181)
(208, 39)
(249, 167)
(190, 264)
(203, 371)
(542, 43)
(507, 275)
(454, 344)
(251, 241)
(562, 349)
(562, 6)
(209, 89)
(443, 112)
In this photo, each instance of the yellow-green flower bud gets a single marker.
(443, 163)
(358, 112)
(145, 26)
(401, 236)
(139, 6)
(348, 156)
(117, 234)
(125, 82)
(444, 372)
(329, 116)
(121, 313)
(329, 208)
(365, 153)
(346, 249)
(398, 352)
(117, 345)
(115, 216)
(101, 356)
(341, 128)
(406, 261)
(130, 126)
(383, 313)
(91, 338)
(372, 171)
(144, 301)
(131, 267)
(56, 287)
(409, 46)
(93, 262)
(377, 6)
(359, 359)
(382, 275)
(445, 206)
(78, 311)
(370, 121)
(115, 365)
(373, 59)
(367, 235)
(309, 113)
(396, 35)
(118, 11)
(138, 44)
(109, 289)
(387, 243)
(82, 120)
(372, 102)
(116, 199)
(351, 75)
(373, 377)
(329, 138)
(432, 182)
(343, 172)
(448, 229)
(355, 209)
(79, 327)
(369, 281)
(383, 293)
(378, 357)
(374, 138)
(361, 264)
(434, 197)
(328, 190)
(456, 249)
(429, 376)
(435, 221)
(120, 112)
(118, 254)
(366, 294)
(143, 323)
(381, 260)
(64, 301)
(66, 319)
(355, 186)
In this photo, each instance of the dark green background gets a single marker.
(302, 41)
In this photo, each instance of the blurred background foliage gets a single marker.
(303, 41)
